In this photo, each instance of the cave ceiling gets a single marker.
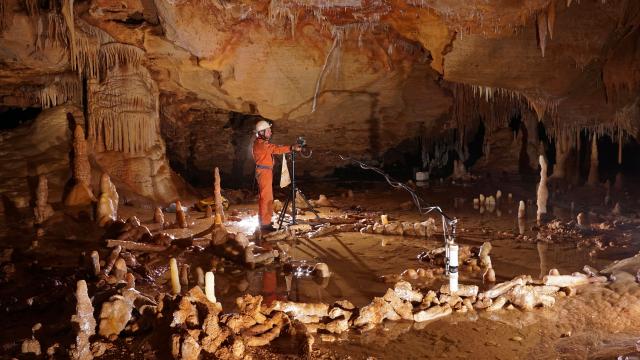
(338, 68)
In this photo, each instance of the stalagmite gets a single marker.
(158, 216)
(95, 263)
(184, 275)
(581, 219)
(619, 147)
(522, 211)
(563, 147)
(120, 269)
(181, 217)
(111, 260)
(130, 280)
(84, 322)
(210, 287)
(81, 193)
(543, 193)
(322, 270)
(459, 170)
(593, 178)
(617, 210)
(108, 204)
(489, 276)
(618, 183)
(200, 277)
(521, 225)
(175, 277)
(542, 250)
(43, 210)
(218, 197)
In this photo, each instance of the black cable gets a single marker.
(448, 223)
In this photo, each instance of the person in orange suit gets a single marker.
(263, 151)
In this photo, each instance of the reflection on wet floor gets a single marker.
(357, 261)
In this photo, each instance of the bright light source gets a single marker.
(248, 225)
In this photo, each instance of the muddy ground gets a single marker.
(599, 321)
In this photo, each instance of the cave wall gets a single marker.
(178, 84)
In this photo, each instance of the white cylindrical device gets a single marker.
(453, 268)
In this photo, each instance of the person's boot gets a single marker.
(267, 228)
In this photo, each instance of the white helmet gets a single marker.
(262, 125)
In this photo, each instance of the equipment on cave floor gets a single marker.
(202, 204)
(448, 224)
(291, 199)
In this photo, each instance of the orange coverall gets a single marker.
(263, 152)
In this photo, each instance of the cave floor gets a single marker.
(598, 322)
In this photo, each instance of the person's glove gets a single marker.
(296, 147)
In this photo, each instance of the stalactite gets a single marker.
(551, 18)
(4, 21)
(593, 178)
(63, 88)
(337, 41)
(51, 29)
(564, 140)
(114, 54)
(31, 6)
(542, 31)
(67, 14)
(124, 111)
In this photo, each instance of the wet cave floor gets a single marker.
(600, 321)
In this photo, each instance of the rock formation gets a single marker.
(84, 322)
(81, 193)
(107, 210)
(542, 194)
(43, 210)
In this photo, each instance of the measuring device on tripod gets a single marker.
(305, 152)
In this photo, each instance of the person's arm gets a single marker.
(282, 149)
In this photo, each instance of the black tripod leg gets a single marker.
(313, 210)
(283, 213)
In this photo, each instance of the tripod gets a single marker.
(292, 198)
